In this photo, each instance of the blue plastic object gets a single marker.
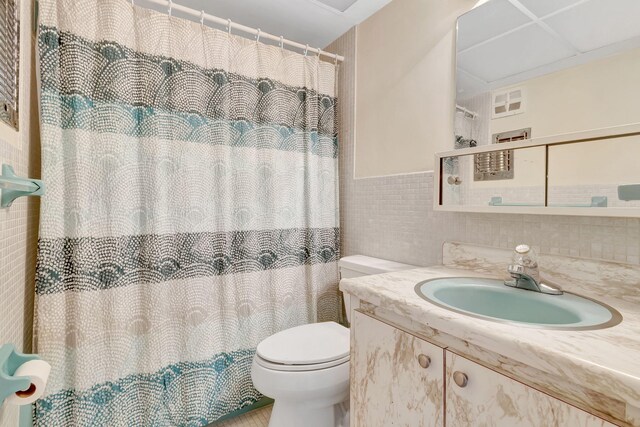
(10, 360)
(629, 192)
(13, 186)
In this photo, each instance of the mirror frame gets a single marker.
(548, 141)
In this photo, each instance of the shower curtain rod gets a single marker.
(227, 22)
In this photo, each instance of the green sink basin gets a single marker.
(490, 299)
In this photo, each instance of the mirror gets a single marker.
(552, 67)
(558, 77)
(469, 181)
(601, 173)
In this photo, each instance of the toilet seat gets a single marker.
(297, 368)
(305, 348)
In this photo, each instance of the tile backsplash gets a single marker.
(392, 217)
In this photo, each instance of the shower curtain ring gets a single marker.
(335, 60)
(319, 52)
(229, 26)
(202, 17)
(258, 36)
(281, 42)
(132, 3)
(170, 6)
(306, 49)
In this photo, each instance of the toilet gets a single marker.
(305, 369)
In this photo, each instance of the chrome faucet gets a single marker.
(525, 274)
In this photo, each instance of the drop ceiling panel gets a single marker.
(491, 19)
(621, 17)
(304, 21)
(542, 8)
(525, 49)
(340, 5)
(468, 86)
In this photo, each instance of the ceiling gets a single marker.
(503, 42)
(316, 22)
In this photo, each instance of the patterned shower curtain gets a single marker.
(191, 211)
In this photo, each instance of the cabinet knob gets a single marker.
(424, 361)
(460, 378)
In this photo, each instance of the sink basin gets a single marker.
(490, 299)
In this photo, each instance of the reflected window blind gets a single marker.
(9, 60)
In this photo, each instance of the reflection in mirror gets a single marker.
(553, 67)
(602, 173)
(499, 178)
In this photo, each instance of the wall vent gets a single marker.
(9, 61)
(508, 102)
(498, 165)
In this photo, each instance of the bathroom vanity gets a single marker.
(419, 364)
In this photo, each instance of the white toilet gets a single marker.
(306, 369)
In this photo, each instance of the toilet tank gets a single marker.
(360, 265)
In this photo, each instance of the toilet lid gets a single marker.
(306, 344)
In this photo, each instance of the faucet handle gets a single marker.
(524, 255)
(515, 269)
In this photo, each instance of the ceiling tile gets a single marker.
(523, 50)
(467, 86)
(542, 8)
(598, 23)
(488, 20)
(340, 5)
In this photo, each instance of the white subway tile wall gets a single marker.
(19, 223)
(392, 217)
(18, 242)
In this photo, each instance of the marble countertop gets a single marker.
(606, 361)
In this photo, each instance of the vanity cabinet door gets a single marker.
(477, 396)
(397, 379)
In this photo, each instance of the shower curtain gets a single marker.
(191, 211)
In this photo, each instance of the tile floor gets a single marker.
(256, 418)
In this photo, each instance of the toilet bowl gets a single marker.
(305, 369)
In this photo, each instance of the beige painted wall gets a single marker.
(19, 223)
(405, 85)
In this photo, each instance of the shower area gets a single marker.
(191, 209)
